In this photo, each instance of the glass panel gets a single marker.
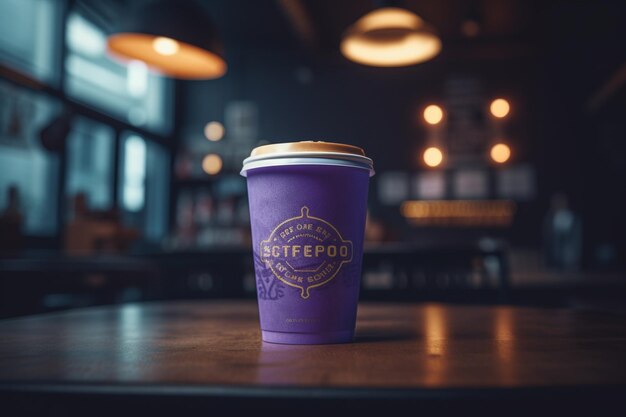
(157, 191)
(127, 91)
(134, 184)
(24, 163)
(29, 39)
(90, 163)
(144, 186)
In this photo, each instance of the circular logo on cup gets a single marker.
(305, 252)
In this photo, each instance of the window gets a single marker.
(90, 163)
(134, 174)
(127, 91)
(24, 162)
(27, 28)
(144, 186)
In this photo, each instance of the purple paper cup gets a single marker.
(307, 213)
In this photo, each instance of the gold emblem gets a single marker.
(305, 252)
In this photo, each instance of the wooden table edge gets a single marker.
(321, 393)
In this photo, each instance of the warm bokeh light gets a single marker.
(214, 131)
(390, 37)
(436, 338)
(459, 212)
(433, 114)
(500, 153)
(500, 108)
(435, 334)
(504, 334)
(165, 46)
(212, 164)
(433, 156)
(470, 28)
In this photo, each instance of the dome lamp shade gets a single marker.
(390, 37)
(175, 38)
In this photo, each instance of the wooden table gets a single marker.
(207, 355)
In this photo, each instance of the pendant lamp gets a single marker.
(175, 38)
(390, 37)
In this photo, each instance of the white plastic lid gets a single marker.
(307, 153)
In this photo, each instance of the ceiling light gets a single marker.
(433, 157)
(174, 38)
(390, 37)
(433, 114)
(500, 108)
(500, 153)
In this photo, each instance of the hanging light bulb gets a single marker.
(433, 156)
(500, 153)
(500, 108)
(165, 46)
(433, 114)
(390, 37)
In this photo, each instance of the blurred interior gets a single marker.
(500, 161)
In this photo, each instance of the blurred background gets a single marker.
(497, 128)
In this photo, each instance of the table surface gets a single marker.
(403, 347)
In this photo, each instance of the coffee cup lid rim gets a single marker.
(307, 153)
(305, 146)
